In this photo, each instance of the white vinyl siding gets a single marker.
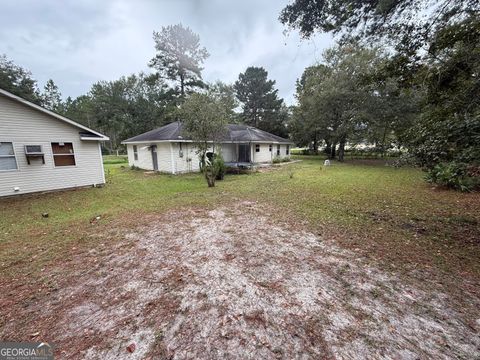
(263, 155)
(169, 159)
(229, 152)
(22, 126)
(144, 160)
(283, 150)
(189, 162)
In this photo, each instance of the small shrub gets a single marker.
(286, 159)
(133, 167)
(219, 166)
(453, 175)
(277, 160)
(405, 159)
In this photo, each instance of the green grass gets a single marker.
(388, 213)
(112, 159)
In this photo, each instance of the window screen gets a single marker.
(257, 148)
(63, 154)
(135, 152)
(7, 157)
(278, 150)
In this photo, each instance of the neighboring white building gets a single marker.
(166, 150)
(43, 151)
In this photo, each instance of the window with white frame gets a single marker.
(63, 154)
(257, 147)
(180, 150)
(135, 152)
(278, 150)
(287, 151)
(270, 147)
(7, 157)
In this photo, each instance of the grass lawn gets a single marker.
(388, 212)
(385, 216)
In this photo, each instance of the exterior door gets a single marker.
(244, 153)
(153, 148)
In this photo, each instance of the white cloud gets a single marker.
(78, 43)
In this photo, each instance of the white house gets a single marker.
(43, 151)
(167, 150)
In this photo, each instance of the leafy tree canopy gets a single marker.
(226, 95)
(400, 20)
(18, 81)
(204, 121)
(343, 100)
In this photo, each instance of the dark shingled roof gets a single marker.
(235, 133)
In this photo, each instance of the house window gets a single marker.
(7, 157)
(180, 149)
(278, 150)
(63, 154)
(135, 152)
(270, 147)
(257, 147)
(287, 151)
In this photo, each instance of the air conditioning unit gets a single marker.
(33, 152)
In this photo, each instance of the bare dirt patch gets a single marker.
(235, 283)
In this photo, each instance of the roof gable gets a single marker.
(85, 134)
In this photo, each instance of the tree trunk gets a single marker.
(210, 176)
(341, 150)
(328, 147)
(182, 86)
(211, 181)
(333, 150)
(315, 143)
(383, 141)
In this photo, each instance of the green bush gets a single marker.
(454, 175)
(277, 160)
(219, 167)
(286, 159)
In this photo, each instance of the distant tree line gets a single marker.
(140, 102)
(422, 92)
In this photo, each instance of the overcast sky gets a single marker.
(77, 43)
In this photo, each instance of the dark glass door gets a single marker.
(244, 153)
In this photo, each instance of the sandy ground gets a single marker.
(234, 283)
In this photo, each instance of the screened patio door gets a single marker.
(244, 153)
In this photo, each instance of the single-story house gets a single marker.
(167, 149)
(44, 151)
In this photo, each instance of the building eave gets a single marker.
(218, 142)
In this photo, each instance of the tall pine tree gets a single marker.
(262, 108)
